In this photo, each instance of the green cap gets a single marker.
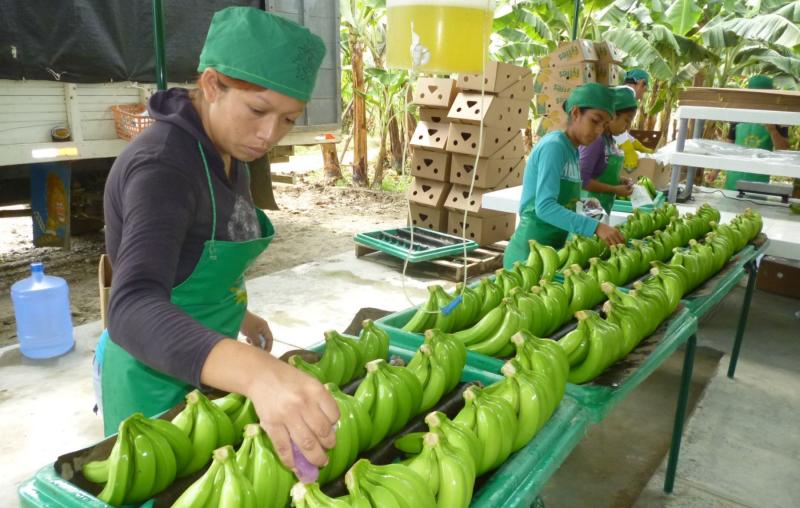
(591, 95)
(264, 49)
(637, 75)
(760, 82)
(624, 98)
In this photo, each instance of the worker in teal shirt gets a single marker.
(551, 184)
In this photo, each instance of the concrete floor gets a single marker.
(741, 447)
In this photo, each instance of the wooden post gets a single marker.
(331, 169)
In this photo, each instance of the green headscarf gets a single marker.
(264, 49)
(760, 82)
(624, 98)
(591, 95)
(637, 75)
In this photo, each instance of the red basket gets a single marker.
(129, 120)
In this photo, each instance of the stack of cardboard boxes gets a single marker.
(571, 65)
(430, 163)
(495, 157)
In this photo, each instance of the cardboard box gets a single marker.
(659, 173)
(431, 165)
(780, 276)
(552, 123)
(607, 53)
(464, 138)
(428, 217)
(495, 111)
(569, 75)
(491, 174)
(550, 87)
(609, 74)
(429, 135)
(428, 192)
(498, 77)
(433, 115)
(572, 52)
(550, 104)
(514, 149)
(484, 230)
(460, 199)
(104, 283)
(434, 92)
(522, 90)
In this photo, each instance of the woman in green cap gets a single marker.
(754, 135)
(181, 231)
(551, 184)
(601, 161)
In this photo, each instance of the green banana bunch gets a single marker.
(373, 342)
(507, 280)
(655, 242)
(493, 420)
(390, 395)
(672, 284)
(467, 312)
(603, 271)
(586, 292)
(630, 321)
(448, 471)
(722, 249)
(432, 372)
(485, 327)
(533, 309)
(341, 360)
(120, 468)
(708, 213)
(207, 427)
(652, 292)
(623, 264)
(492, 296)
(498, 343)
(257, 461)
(353, 434)
(449, 351)
(575, 345)
(424, 317)
(647, 183)
(230, 403)
(223, 485)
(312, 369)
(605, 347)
(556, 299)
(389, 486)
(528, 275)
(690, 261)
(543, 356)
(647, 254)
(459, 437)
(310, 496)
(543, 258)
(570, 253)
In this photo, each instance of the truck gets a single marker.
(63, 70)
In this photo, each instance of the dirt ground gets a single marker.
(313, 222)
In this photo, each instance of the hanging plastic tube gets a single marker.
(438, 36)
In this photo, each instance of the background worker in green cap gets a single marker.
(601, 161)
(637, 80)
(181, 231)
(551, 184)
(753, 135)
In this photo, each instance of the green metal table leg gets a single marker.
(748, 296)
(680, 413)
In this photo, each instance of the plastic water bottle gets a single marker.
(41, 308)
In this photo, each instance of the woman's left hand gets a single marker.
(257, 331)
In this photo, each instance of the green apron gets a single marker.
(214, 295)
(531, 227)
(750, 135)
(609, 176)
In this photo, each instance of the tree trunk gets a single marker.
(396, 145)
(377, 179)
(261, 184)
(330, 160)
(360, 177)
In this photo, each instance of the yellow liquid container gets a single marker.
(438, 36)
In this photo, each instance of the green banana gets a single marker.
(377, 397)
(312, 369)
(424, 317)
(96, 471)
(455, 475)
(244, 417)
(450, 350)
(237, 491)
(460, 437)
(550, 262)
(410, 443)
(120, 470)
(203, 434)
(500, 339)
(166, 465)
(225, 429)
(230, 403)
(483, 329)
(310, 496)
(374, 342)
(437, 381)
(597, 356)
(535, 260)
(442, 322)
(178, 441)
(425, 463)
(493, 295)
(198, 493)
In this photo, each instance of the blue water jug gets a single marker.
(44, 321)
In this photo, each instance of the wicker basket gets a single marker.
(129, 121)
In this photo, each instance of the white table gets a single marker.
(693, 161)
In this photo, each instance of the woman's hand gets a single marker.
(612, 236)
(623, 190)
(257, 331)
(294, 407)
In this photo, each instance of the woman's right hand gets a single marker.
(294, 407)
(612, 236)
(623, 190)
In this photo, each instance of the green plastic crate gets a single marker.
(625, 205)
(379, 241)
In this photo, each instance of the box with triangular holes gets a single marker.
(434, 92)
(428, 217)
(609, 74)
(572, 52)
(607, 53)
(460, 199)
(493, 111)
(490, 174)
(431, 136)
(430, 164)
(550, 104)
(433, 115)
(466, 139)
(426, 244)
(570, 75)
(428, 192)
(522, 90)
(497, 77)
(481, 229)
